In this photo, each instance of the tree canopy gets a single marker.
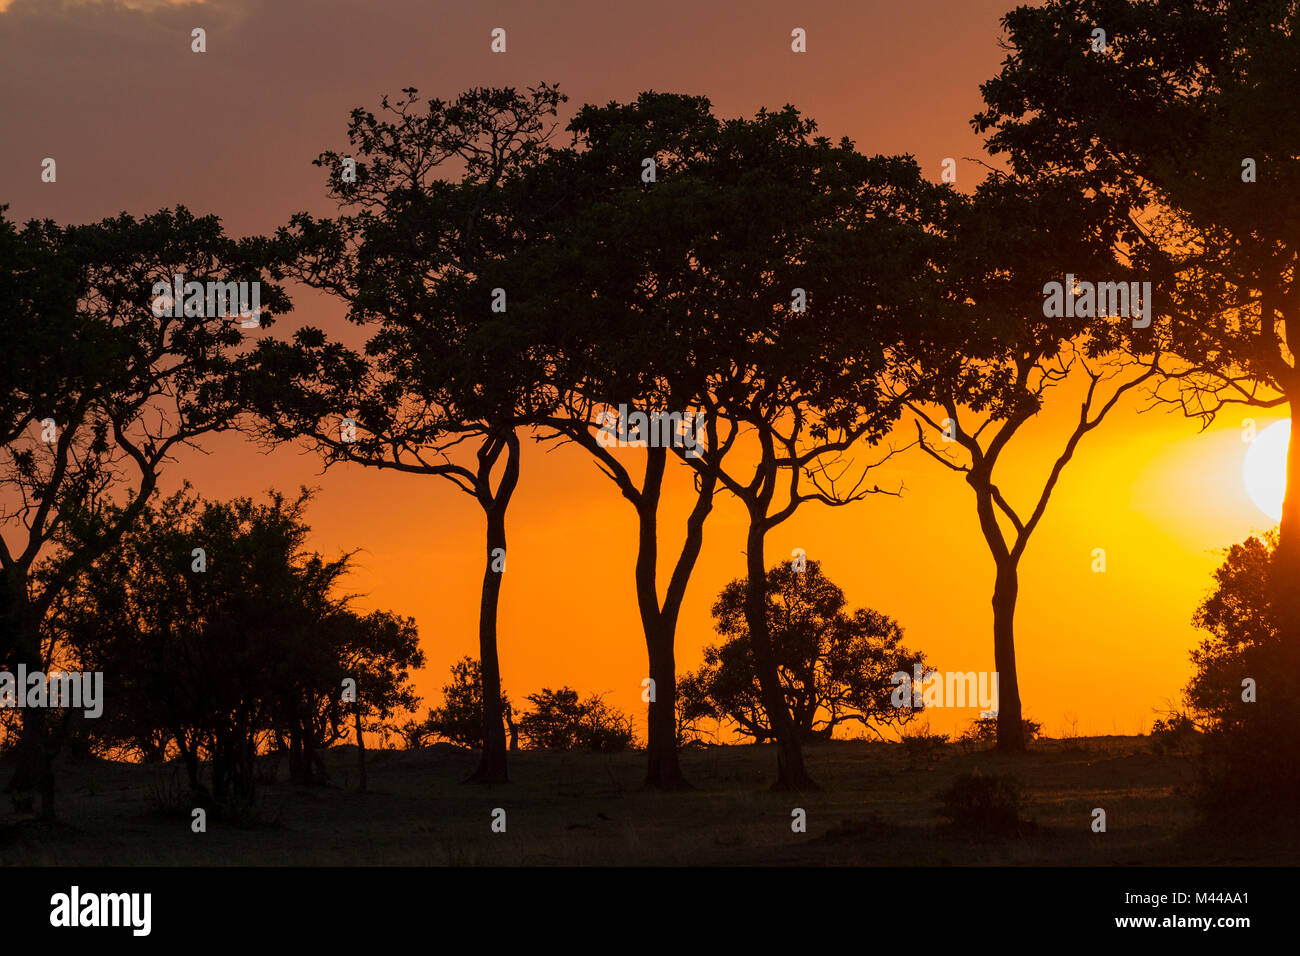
(835, 665)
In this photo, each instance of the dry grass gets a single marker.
(876, 807)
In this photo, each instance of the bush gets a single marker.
(1176, 731)
(924, 745)
(607, 729)
(1250, 739)
(460, 718)
(559, 721)
(984, 804)
(983, 731)
(1175, 723)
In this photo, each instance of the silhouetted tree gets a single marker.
(988, 371)
(1184, 123)
(447, 365)
(221, 648)
(99, 392)
(732, 271)
(812, 287)
(1243, 693)
(693, 709)
(1237, 619)
(836, 666)
(376, 652)
(627, 309)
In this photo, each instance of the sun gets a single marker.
(1264, 470)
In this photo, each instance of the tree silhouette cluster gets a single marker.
(742, 307)
(255, 649)
(792, 299)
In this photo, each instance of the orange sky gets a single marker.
(136, 122)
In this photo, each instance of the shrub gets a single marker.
(608, 729)
(560, 721)
(924, 745)
(460, 718)
(1173, 732)
(983, 731)
(978, 803)
(1250, 739)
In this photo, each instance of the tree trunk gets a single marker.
(311, 760)
(220, 773)
(361, 749)
(295, 757)
(663, 771)
(514, 731)
(246, 767)
(492, 765)
(1285, 575)
(191, 757)
(35, 764)
(1011, 731)
(790, 771)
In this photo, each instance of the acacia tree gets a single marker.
(1184, 121)
(682, 254)
(417, 258)
(836, 666)
(102, 385)
(811, 290)
(988, 371)
(626, 313)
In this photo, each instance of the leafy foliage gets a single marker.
(98, 394)
(560, 721)
(208, 664)
(1248, 744)
(835, 666)
(459, 719)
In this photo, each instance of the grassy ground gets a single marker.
(877, 806)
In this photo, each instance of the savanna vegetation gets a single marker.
(744, 303)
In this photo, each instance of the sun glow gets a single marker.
(1264, 470)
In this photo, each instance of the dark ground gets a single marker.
(877, 807)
